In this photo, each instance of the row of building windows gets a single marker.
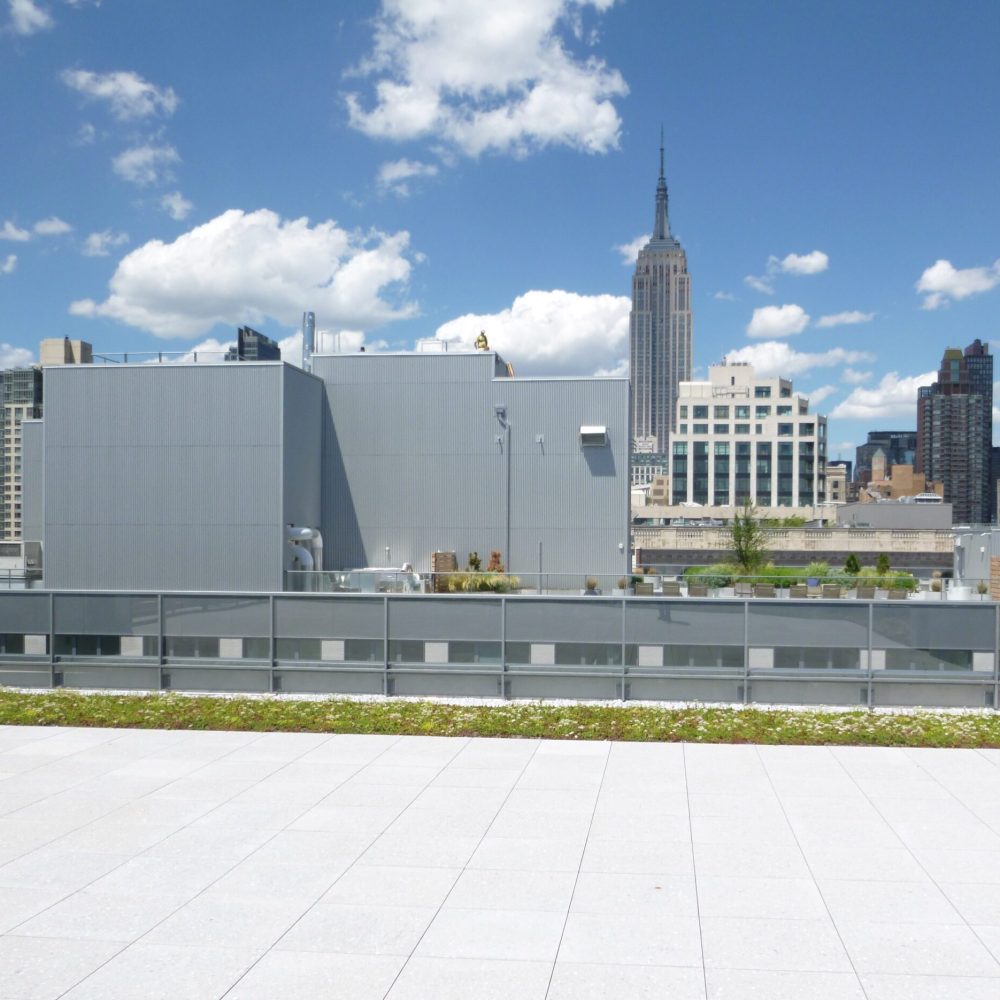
(784, 430)
(738, 412)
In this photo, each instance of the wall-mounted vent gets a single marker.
(593, 437)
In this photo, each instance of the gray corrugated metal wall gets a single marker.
(302, 448)
(32, 480)
(573, 500)
(163, 477)
(412, 464)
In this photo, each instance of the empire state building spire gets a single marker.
(661, 227)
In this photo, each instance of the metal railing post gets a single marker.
(624, 669)
(271, 645)
(996, 659)
(746, 652)
(52, 639)
(385, 644)
(159, 640)
(871, 674)
(503, 647)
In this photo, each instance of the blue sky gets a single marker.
(412, 169)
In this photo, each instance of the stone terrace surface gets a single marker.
(258, 867)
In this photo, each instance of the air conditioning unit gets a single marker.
(593, 437)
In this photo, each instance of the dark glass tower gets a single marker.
(955, 431)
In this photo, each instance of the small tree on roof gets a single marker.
(747, 539)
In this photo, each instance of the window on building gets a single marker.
(684, 412)
(762, 411)
(807, 430)
(720, 412)
(683, 429)
(762, 392)
(784, 411)
(720, 428)
(742, 412)
(700, 413)
(721, 447)
(786, 430)
(680, 448)
(700, 428)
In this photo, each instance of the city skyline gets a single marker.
(833, 182)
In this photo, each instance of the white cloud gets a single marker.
(176, 205)
(487, 76)
(11, 232)
(724, 296)
(15, 357)
(395, 175)
(630, 250)
(100, 244)
(53, 226)
(773, 357)
(816, 396)
(942, 282)
(894, 396)
(845, 318)
(777, 321)
(241, 267)
(9, 264)
(129, 96)
(761, 284)
(86, 135)
(145, 165)
(26, 17)
(806, 263)
(552, 333)
(793, 263)
(853, 377)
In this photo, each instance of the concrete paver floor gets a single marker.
(140, 865)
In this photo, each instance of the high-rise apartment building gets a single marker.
(742, 438)
(22, 400)
(253, 346)
(659, 330)
(955, 431)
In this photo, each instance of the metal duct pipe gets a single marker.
(308, 340)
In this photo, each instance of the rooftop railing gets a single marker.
(743, 650)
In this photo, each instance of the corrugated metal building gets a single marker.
(428, 452)
(179, 477)
(183, 477)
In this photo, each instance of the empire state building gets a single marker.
(659, 330)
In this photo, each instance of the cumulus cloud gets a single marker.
(27, 17)
(552, 332)
(395, 175)
(487, 76)
(15, 357)
(845, 318)
(805, 263)
(794, 263)
(11, 232)
(127, 94)
(100, 244)
(629, 251)
(816, 396)
(724, 296)
(9, 264)
(242, 267)
(853, 377)
(894, 396)
(942, 282)
(773, 357)
(53, 226)
(777, 321)
(145, 165)
(176, 205)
